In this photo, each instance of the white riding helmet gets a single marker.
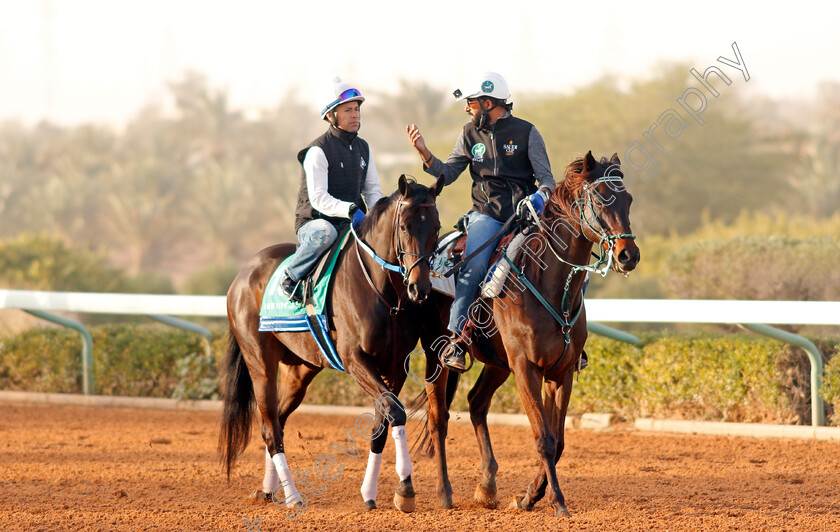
(488, 84)
(344, 92)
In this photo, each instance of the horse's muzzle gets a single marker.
(418, 294)
(627, 259)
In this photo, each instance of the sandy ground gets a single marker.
(78, 468)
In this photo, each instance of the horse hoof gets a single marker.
(370, 505)
(485, 498)
(517, 504)
(404, 503)
(562, 512)
(446, 505)
(259, 496)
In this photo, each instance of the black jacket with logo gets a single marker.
(500, 168)
(506, 160)
(345, 173)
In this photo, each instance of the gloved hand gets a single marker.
(356, 216)
(538, 199)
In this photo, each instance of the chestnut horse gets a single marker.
(374, 330)
(520, 334)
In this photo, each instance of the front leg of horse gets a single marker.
(438, 422)
(379, 436)
(528, 382)
(556, 404)
(386, 403)
(479, 400)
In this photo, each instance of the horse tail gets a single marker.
(238, 400)
(424, 443)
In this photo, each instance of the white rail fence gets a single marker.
(752, 315)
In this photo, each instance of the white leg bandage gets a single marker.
(270, 481)
(370, 484)
(403, 459)
(286, 480)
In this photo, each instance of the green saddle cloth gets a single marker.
(278, 311)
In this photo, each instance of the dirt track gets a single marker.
(76, 468)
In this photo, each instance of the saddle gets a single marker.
(460, 245)
(450, 251)
(322, 267)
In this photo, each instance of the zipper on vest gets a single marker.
(512, 195)
(495, 155)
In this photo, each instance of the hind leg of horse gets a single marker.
(361, 367)
(262, 364)
(556, 403)
(294, 380)
(529, 384)
(479, 400)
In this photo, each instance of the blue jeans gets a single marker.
(315, 237)
(480, 228)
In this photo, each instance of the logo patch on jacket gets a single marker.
(510, 148)
(478, 152)
(363, 163)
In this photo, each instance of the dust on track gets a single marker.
(83, 468)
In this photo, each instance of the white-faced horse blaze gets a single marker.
(539, 346)
(375, 328)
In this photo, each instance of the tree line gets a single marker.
(174, 191)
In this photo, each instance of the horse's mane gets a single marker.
(565, 192)
(381, 207)
(559, 204)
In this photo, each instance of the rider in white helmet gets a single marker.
(338, 182)
(508, 162)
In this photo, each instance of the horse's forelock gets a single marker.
(376, 212)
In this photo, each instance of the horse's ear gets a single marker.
(614, 159)
(589, 162)
(403, 185)
(439, 185)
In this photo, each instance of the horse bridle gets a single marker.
(396, 268)
(421, 257)
(587, 202)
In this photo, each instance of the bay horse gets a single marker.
(374, 330)
(520, 335)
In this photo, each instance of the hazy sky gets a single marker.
(101, 60)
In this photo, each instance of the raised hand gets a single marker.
(417, 140)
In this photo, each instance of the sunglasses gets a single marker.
(346, 95)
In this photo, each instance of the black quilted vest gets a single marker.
(348, 157)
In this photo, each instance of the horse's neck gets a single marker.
(552, 280)
(380, 238)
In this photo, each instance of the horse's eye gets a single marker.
(402, 227)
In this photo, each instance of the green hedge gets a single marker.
(729, 377)
(129, 359)
(831, 383)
